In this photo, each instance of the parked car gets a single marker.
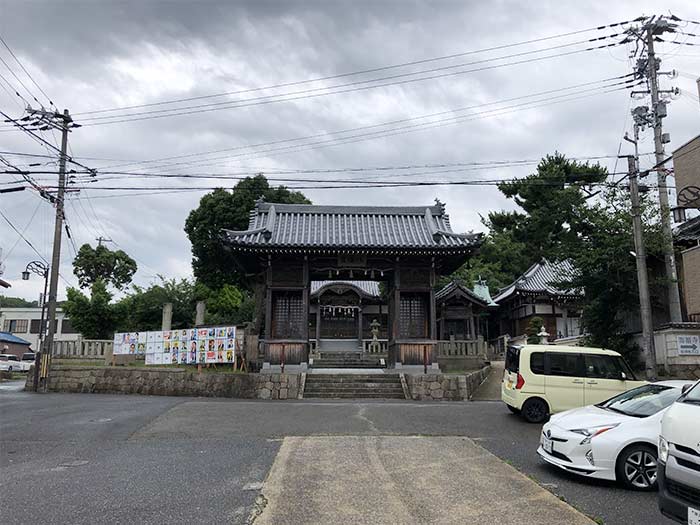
(613, 440)
(12, 363)
(540, 380)
(679, 459)
(29, 357)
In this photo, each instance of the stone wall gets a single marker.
(169, 382)
(445, 387)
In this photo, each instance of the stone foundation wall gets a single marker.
(680, 371)
(445, 387)
(169, 382)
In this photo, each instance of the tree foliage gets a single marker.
(142, 308)
(606, 267)
(557, 219)
(549, 201)
(101, 263)
(533, 328)
(94, 317)
(222, 209)
(16, 302)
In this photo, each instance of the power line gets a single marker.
(25, 71)
(365, 71)
(149, 115)
(359, 128)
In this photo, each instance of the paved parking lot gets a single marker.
(84, 458)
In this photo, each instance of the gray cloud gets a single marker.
(94, 55)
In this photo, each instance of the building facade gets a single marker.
(25, 322)
(402, 249)
(536, 293)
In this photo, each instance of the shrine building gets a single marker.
(357, 279)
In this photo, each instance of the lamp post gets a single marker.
(42, 270)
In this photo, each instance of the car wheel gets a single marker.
(9, 368)
(636, 467)
(535, 410)
(513, 409)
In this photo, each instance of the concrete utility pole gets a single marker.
(641, 259)
(101, 239)
(64, 121)
(658, 107)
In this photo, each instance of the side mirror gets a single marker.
(623, 376)
(686, 387)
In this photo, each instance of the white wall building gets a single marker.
(25, 323)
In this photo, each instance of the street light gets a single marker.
(41, 269)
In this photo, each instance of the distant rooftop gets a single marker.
(541, 279)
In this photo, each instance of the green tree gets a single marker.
(224, 209)
(16, 302)
(544, 226)
(101, 263)
(533, 328)
(142, 308)
(93, 317)
(606, 269)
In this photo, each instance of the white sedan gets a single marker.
(613, 440)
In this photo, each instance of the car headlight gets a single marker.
(663, 449)
(592, 432)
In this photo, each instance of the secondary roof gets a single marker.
(541, 279)
(7, 337)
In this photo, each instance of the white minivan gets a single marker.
(540, 380)
(678, 472)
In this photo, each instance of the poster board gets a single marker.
(187, 346)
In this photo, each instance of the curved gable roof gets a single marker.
(541, 279)
(381, 228)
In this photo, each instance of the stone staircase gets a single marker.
(352, 359)
(353, 386)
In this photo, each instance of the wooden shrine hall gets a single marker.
(404, 249)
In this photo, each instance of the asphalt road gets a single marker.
(84, 458)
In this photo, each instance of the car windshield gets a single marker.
(642, 401)
(692, 395)
(3, 358)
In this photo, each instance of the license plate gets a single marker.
(693, 516)
(509, 385)
(547, 445)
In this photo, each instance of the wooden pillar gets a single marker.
(305, 301)
(433, 312)
(359, 323)
(565, 318)
(395, 304)
(268, 300)
(318, 322)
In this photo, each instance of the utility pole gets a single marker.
(658, 107)
(101, 239)
(641, 258)
(63, 121)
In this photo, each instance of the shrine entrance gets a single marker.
(288, 249)
(341, 314)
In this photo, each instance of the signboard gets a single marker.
(689, 345)
(187, 346)
(686, 167)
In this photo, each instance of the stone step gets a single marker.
(341, 375)
(345, 364)
(353, 395)
(355, 388)
(359, 392)
(312, 379)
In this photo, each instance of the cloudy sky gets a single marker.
(482, 110)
